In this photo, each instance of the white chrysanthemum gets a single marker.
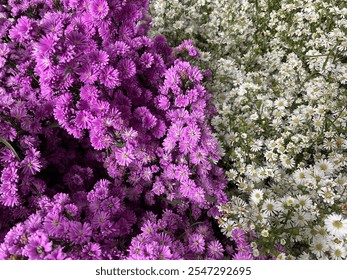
(257, 195)
(281, 103)
(341, 180)
(270, 207)
(301, 176)
(324, 166)
(281, 256)
(336, 225)
(227, 227)
(319, 247)
(304, 201)
(301, 218)
(327, 194)
(304, 256)
(286, 161)
(338, 251)
(265, 233)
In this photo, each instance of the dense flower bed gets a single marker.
(279, 84)
(166, 129)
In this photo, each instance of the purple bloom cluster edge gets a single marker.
(106, 151)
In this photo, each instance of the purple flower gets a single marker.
(243, 256)
(53, 223)
(101, 126)
(84, 119)
(146, 60)
(109, 77)
(79, 233)
(91, 251)
(21, 31)
(197, 243)
(188, 46)
(57, 254)
(88, 73)
(215, 250)
(31, 163)
(126, 68)
(38, 246)
(46, 44)
(124, 156)
(98, 8)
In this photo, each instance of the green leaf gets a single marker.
(8, 145)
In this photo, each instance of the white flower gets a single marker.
(341, 180)
(336, 225)
(257, 145)
(327, 194)
(324, 166)
(281, 103)
(256, 253)
(270, 156)
(304, 256)
(338, 251)
(288, 201)
(286, 161)
(319, 246)
(270, 207)
(304, 201)
(281, 256)
(227, 227)
(301, 176)
(301, 218)
(265, 233)
(257, 196)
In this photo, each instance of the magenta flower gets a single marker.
(38, 246)
(79, 233)
(98, 8)
(124, 156)
(197, 243)
(21, 31)
(106, 150)
(215, 250)
(243, 256)
(109, 77)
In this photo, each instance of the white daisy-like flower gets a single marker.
(265, 233)
(301, 218)
(256, 253)
(286, 161)
(304, 201)
(324, 166)
(336, 225)
(239, 206)
(301, 176)
(227, 227)
(304, 256)
(270, 207)
(270, 156)
(281, 103)
(256, 146)
(327, 194)
(289, 201)
(281, 256)
(257, 195)
(319, 246)
(338, 251)
(341, 180)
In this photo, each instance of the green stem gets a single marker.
(8, 145)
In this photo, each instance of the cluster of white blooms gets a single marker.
(280, 87)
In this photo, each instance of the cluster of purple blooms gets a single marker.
(105, 147)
